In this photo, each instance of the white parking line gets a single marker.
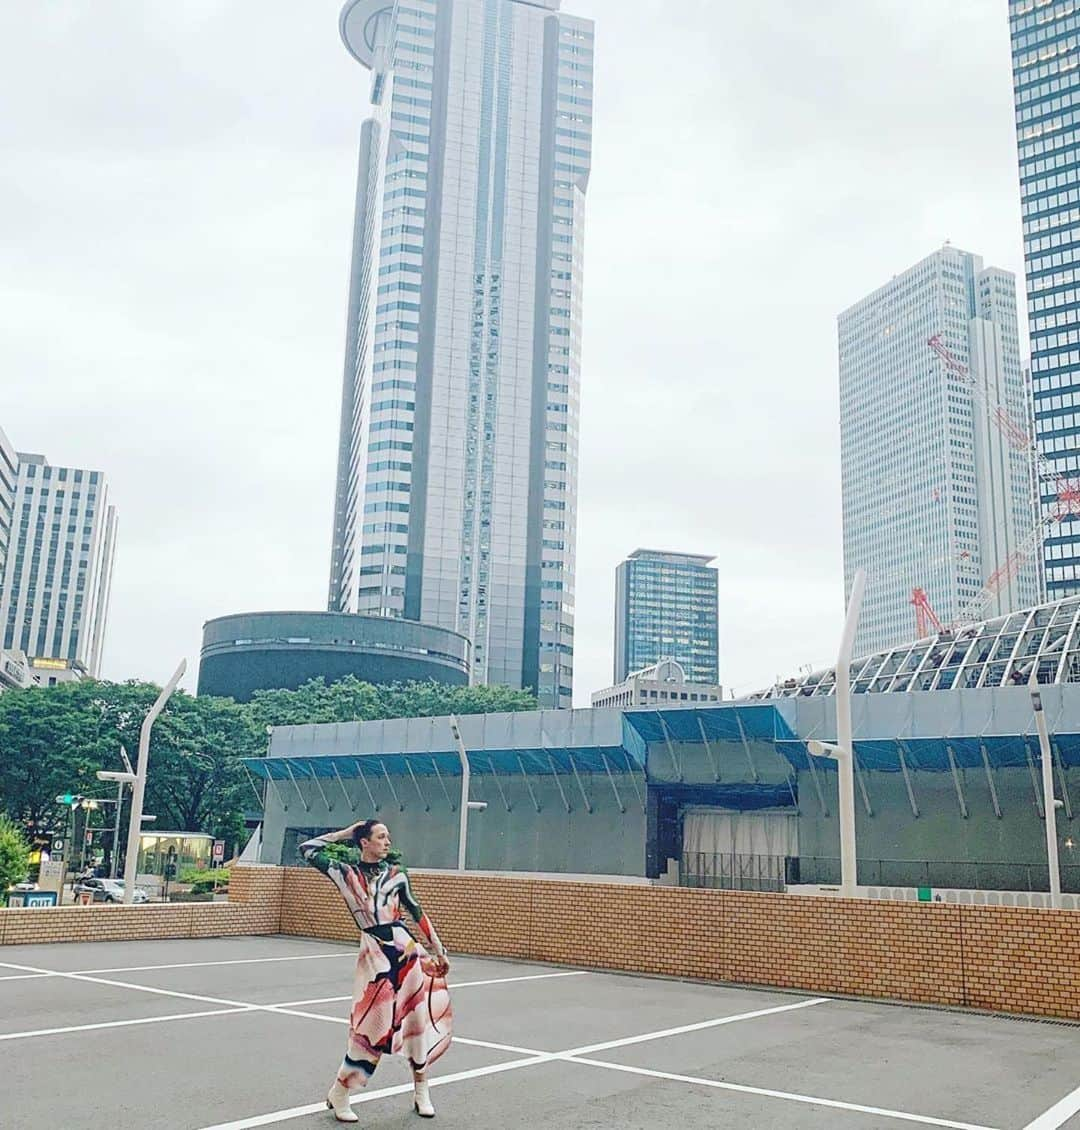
(1058, 1114)
(809, 1100)
(626, 1041)
(453, 985)
(120, 1023)
(181, 965)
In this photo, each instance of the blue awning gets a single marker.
(586, 759)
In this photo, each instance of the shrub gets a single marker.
(14, 855)
(202, 880)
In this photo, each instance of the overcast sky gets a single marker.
(176, 192)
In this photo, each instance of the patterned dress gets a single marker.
(400, 1006)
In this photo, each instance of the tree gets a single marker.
(14, 855)
(54, 739)
(351, 700)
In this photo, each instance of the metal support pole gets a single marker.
(584, 797)
(558, 783)
(844, 763)
(1061, 780)
(528, 784)
(367, 787)
(498, 785)
(907, 779)
(990, 780)
(138, 791)
(463, 808)
(746, 747)
(1034, 781)
(614, 787)
(277, 789)
(296, 785)
(862, 785)
(670, 747)
(956, 782)
(393, 792)
(318, 785)
(446, 791)
(344, 791)
(708, 749)
(419, 791)
(115, 862)
(1048, 793)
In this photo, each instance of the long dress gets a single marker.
(400, 1006)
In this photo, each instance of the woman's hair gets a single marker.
(363, 831)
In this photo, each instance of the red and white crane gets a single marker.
(1018, 437)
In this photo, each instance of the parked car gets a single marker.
(29, 885)
(108, 890)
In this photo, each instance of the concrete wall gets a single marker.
(940, 833)
(604, 841)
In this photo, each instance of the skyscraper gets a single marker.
(9, 474)
(1046, 86)
(934, 495)
(54, 598)
(457, 475)
(666, 608)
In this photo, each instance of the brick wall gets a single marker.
(1000, 958)
(254, 907)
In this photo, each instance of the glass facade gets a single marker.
(1046, 85)
(936, 494)
(666, 608)
(457, 475)
(54, 597)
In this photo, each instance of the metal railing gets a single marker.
(731, 871)
(738, 872)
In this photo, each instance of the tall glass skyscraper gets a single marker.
(935, 496)
(458, 458)
(1046, 85)
(666, 608)
(54, 598)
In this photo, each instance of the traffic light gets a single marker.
(70, 799)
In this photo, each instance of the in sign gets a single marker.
(219, 850)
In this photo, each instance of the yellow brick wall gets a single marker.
(997, 958)
(254, 907)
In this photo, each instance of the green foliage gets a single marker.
(202, 880)
(14, 855)
(351, 700)
(54, 739)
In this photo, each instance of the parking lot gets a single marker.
(224, 1034)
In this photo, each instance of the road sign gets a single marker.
(58, 846)
(219, 851)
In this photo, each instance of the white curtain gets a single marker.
(723, 847)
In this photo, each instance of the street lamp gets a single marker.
(1050, 805)
(138, 789)
(466, 804)
(843, 751)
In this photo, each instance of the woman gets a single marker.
(400, 1001)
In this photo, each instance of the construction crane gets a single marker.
(925, 616)
(1017, 436)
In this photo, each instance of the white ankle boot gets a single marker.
(422, 1099)
(338, 1101)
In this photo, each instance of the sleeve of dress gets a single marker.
(408, 899)
(314, 852)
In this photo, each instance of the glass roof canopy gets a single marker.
(996, 653)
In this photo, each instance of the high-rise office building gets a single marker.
(934, 495)
(1046, 86)
(54, 599)
(666, 608)
(458, 458)
(9, 474)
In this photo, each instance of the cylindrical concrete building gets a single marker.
(253, 651)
